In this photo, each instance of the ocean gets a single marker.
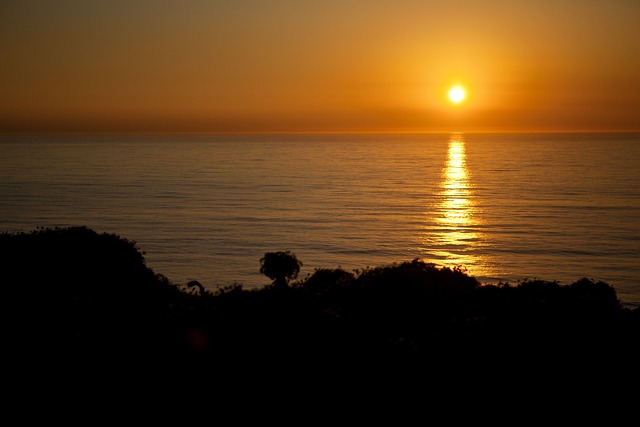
(506, 207)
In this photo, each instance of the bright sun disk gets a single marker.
(456, 94)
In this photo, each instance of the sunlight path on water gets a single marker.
(452, 235)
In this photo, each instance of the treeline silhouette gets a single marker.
(74, 297)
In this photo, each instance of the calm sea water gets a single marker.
(505, 206)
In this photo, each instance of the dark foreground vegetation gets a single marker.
(83, 304)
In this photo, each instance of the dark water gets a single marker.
(207, 207)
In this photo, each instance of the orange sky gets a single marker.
(331, 65)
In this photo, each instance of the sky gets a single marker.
(319, 66)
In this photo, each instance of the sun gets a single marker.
(456, 94)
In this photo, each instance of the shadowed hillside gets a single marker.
(73, 297)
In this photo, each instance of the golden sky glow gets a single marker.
(347, 65)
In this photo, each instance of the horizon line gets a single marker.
(303, 132)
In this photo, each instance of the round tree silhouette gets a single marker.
(280, 267)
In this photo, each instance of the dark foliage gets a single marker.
(281, 267)
(73, 297)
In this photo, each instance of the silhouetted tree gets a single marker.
(280, 267)
(198, 285)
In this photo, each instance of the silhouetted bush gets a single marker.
(281, 267)
(73, 291)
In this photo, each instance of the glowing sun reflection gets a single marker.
(452, 238)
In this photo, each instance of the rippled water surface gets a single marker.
(207, 207)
